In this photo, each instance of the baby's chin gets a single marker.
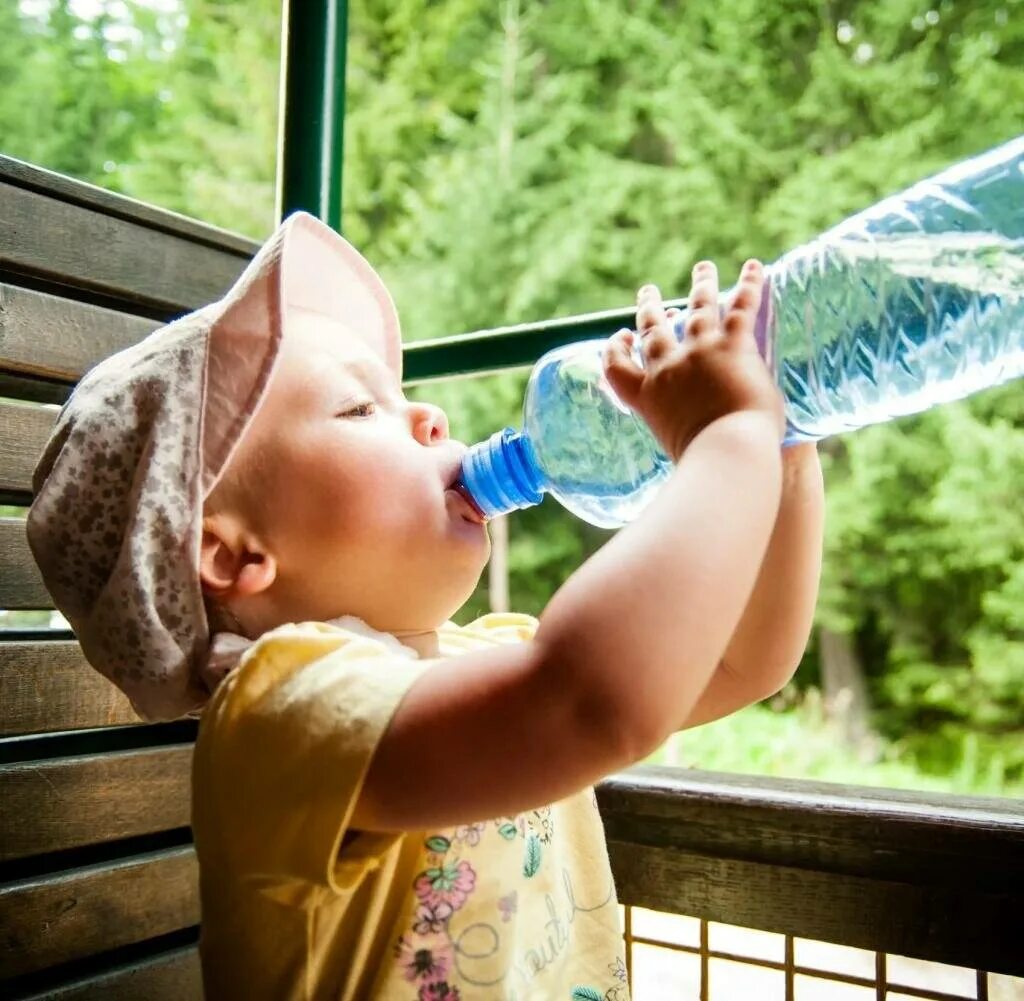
(430, 608)
(455, 583)
(424, 585)
(460, 583)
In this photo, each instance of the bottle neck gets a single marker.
(501, 474)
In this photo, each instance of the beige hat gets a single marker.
(116, 522)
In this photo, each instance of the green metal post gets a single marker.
(312, 108)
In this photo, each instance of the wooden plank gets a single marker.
(83, 800)
(171, 976)
(948, 925)
(23, 387)
(21, 585)
(897, 871)
(57, 338)
(132, 262)
(24, 431)
(49, 685)
(68, 189)
(886, 833)
(80, 912)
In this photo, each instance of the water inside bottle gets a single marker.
(941, 315)
(601, 460)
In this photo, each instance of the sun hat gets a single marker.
(116, 521)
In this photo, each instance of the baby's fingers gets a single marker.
(702, 306)
(742, 311)
(623, 374)
(656, 337)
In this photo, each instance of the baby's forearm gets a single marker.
(767, 645)
(645, 622)
(772, 633)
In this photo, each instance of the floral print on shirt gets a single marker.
(618, 992)
(426, 954)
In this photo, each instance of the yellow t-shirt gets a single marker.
(296, 905)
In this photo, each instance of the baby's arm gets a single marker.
(622, 654)
(768, 643)
(629, 642)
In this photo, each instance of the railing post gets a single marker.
(312, 108)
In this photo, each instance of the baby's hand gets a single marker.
(714, 370)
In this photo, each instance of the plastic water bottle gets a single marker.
(916, 301)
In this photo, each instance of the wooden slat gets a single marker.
(24, 431)
(822, 825)
(21, 586)
(133, 262)
(958, 926)
(84, 911)
(68, 189)
(57, 338)
(23, 387)
(49, 685)
(72, 801)
(171, 976)
(880, 869)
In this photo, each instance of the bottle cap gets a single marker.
(501, 474)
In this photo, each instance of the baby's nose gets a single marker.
(429, 423)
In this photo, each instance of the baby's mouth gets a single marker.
(478, 515)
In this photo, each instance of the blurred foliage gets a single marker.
(514, 161)
(793, 737)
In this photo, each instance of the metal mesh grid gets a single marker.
(884, 982)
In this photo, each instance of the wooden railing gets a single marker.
(922, 875)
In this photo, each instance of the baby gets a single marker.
(243, 517)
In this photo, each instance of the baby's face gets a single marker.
(356, 505)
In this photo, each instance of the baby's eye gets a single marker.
(366, 409)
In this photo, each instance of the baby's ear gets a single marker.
(231, 564)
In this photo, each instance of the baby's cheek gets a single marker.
(317, 525)
(390, 503)
(328, 495)
(398, 511)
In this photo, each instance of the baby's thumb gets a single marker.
(623, 374)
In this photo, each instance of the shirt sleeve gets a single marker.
(281, 761)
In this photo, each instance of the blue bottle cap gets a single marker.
(501, 474)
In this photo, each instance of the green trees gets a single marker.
(924, 569)
(173, 103)
(516, 160)
(213, 152)
(76, 94)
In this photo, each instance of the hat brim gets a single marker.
(304, 266)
